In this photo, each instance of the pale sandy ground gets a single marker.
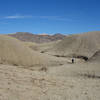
(63, 82)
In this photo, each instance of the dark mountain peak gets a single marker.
(40, 38)
(22, 33)
(58, 34)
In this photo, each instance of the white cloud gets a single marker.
(17, 17)
(58, 18)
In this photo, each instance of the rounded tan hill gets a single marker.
(79, 45)
(12, 51)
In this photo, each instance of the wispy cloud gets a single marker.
(17, 17)
(57, 18)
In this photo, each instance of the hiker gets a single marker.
(72, 60)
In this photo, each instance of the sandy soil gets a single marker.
(66, 82)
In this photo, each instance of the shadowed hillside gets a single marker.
(29, 37)
(95, 57)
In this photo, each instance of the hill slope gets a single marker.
(79, 45)
(12, 51)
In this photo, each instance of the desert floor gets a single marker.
(78, 81)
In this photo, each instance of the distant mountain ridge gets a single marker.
(37, 38)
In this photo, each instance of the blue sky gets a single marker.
(49, 16)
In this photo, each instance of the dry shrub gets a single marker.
(90, 75)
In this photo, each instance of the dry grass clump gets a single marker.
(89, 75)
(12, 51)
(44, 68)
